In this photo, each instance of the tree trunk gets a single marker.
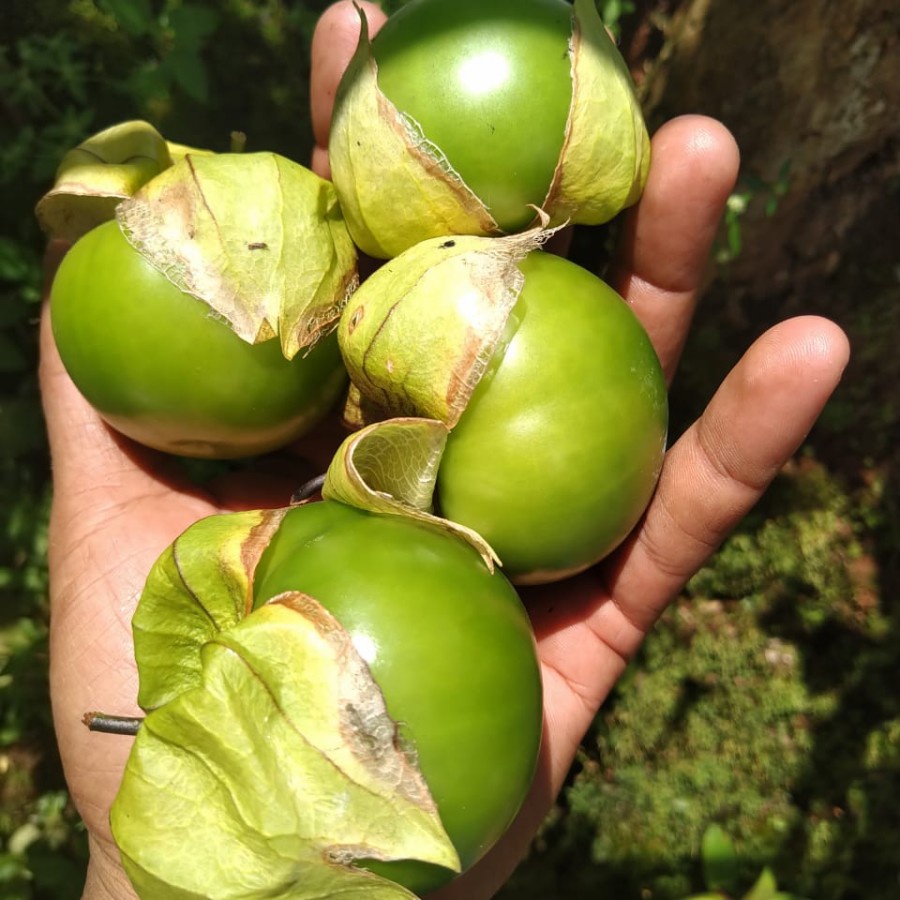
(811, 91)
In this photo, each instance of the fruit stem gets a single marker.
(238, 141)
(98, 721)
(309, 489)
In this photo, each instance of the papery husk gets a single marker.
(98, 174)
(276, 771)
(390, 468)
(258, 238)
(418, 334)
(606, 154)
(376, 152)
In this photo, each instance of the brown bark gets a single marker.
(811, 90)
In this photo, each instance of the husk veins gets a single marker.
(258, 238)
(378, 152)
(390, 467)
(274, 773)
(606, 153)
(418, 334)
(375, 152)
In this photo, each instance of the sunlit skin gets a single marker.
(492, 92)
(116, 507)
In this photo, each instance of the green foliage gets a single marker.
(45, 856)
(721, 871)
(751, 189)
(613, 11)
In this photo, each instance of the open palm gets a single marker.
(117, 506)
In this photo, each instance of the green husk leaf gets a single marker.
(179, 151)
(387, 466)
(390, 467)
(418, 334)
(603, 167)
(98, 174)
(276, 772)
(200, 586)
(389, 156)
(258, 238)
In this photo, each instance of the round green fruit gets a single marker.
(448, 643)
(160, 368)
(490, 84)
(483, 117)
(559, 449)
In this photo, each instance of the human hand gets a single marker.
(117, 506)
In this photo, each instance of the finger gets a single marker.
(721, 466)
(711, 478)
(663, 255)
(333, 44)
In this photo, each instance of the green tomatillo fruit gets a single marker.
(449, 645)
(465, 117)
(552, 391)
(198, 321)
(339, 703)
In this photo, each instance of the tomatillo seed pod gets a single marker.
(355, 697)
(199, 321)
(476, 113)
(557, 408)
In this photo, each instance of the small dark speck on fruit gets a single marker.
(356, 318)
(258, 245)
(447, 244)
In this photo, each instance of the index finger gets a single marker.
(663, 256)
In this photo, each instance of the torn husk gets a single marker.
(258, 238)
(283, 757)
(376, 152)
(418, 334)
(100, 173)
(390, 468)
(606, 155)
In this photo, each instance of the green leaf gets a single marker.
(189, 73)
(192, 594)
(257, 237)
(193, 24)
(135, 16)
(274, 774)
(721, 867)
(765, 888)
